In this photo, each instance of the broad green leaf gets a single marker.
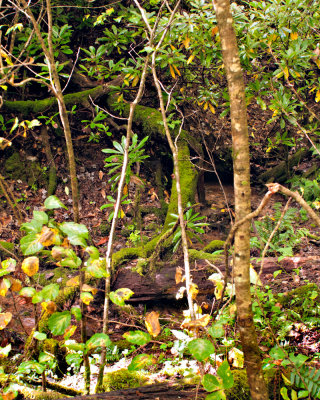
(141, 361)
(8, 265)
(76, 233)
(75, 359)
(75, 346)
(211, 383)
(93, 252)
(277, 353)
(39, 335)
(218, 395)
(139, 338)
(119, 296)
(58, 322)
(53, 202)
(216, 330)
(96, 268)
(284, 393)
(98, 340)
(298, 360)
(86, 297)
(30, 366)
(50, 292)
(39, 219)
(76, 311)
(37, 298)
(46, 358)
(200, 349)
(30, 244)
(27, 292)
(225, 374)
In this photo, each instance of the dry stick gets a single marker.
(174, 150)
(272, 235)
(10, 199)
(116, 211)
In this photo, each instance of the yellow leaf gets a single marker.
(172, 72)
(69, 331)
(15, 284)
(152, 323)
(8, 396)
(205, 107)
(179, 275)
(5, 318)
(201, 322)
(126, 82)
(214, 30)
(122, 214)
(194, 290)
(212, 109)
(236, 357)
(125, 190)
(30, 265)
(48, 236)
(4, 287)
(186, 42)
(286, 72)
(177, 70)
(135, 81)
(73, 281)
(317, 99)
(49, 306)
(190, 59)
(86, 297)
(172, 47)
(294, 35)
(317, 61)
(87, 288)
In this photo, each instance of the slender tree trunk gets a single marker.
(241, 166)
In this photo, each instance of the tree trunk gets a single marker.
(241, 167)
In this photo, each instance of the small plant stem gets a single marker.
(11, 201)
(174, 150)
(115, 215)
(83, 327)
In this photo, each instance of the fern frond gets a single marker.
(308, 379)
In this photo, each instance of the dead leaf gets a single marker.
(194, 290)
(102, 241)
(73, 281)
(103, 193)
(87, 288)
(5, 318)
(48, 236)
(100, 175)
(201, 322)
(179, 275)
(16, 285)
(152, 323)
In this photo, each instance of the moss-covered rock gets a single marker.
(213, 246)
(123, 379)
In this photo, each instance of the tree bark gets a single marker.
(241, 166)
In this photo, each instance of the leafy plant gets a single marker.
(286, 237)
(193, 226)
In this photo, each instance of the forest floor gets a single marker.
(303, 268)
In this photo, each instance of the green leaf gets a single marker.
(98, 340)
(277, 353)
(139, 338)
(225, 374)
(96, 268)
(76, 233)
(50, 292)
(27, 292)
(75, 359)
(59, 322)
(76, 311)
(140, 361)
(30, 366)
(73, 345)
(284, 393)
(29, 244)
(37, 298)
(201, 349)
(52, 202)
(39, 219)
(219, 395)
(39, 335)
(211, 383)
(93, 252)
(46, 358)
(216, 330)
(119, 296)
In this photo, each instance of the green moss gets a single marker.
(123, 379)
(60, 274)
(240, 390)
(202, 255)
(213, 246)
(300, 299)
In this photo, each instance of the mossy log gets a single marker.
(163, 391)
(279, 172)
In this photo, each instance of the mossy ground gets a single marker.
(123, 379)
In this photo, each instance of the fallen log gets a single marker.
(163, 391)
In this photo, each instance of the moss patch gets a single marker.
(123, 379)
(213, 246)
(202, 255)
